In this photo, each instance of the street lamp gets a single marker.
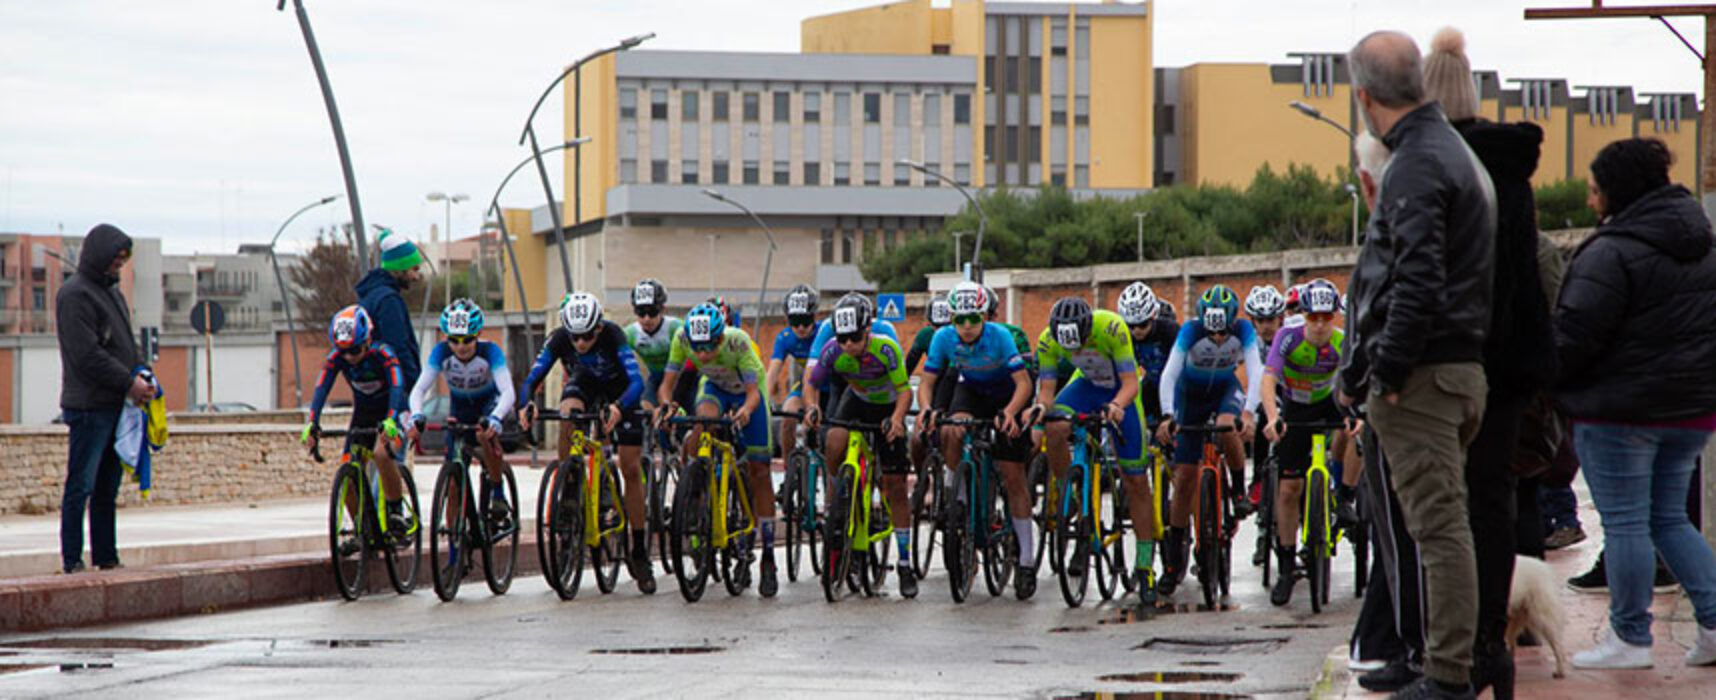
(339, 130)
(1317, 114)
(1141, 216)
(768, 259)
(982, 219)
(506, 237)
(1353, 191)
(536, 151)
(447, 239)
(285, 300)
(957, 237)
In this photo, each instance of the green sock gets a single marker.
(1146, 554)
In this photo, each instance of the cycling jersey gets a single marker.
(1027, 351)
(991, 360)
(1151, 354)
(609, 364)
(920, 347)
(735, 367)
(825, 335)
(475, 386)
(1100, 359)
(1307, 372)
(375, 380)
(652, 348)
(793, 350)
(877, 375)
(1200, 366)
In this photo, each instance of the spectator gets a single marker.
(98, 372)
(379, 295)
(1518, 349)
(1636, 336)
(1425, 271)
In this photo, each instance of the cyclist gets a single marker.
(877, 391)
(790, 355)
(1302, 365)
(831, 390)
(378, 401)
(1198, 382)
(728, 361)
(992, 384)
(651, 335)
(479, 392)
(939, 315)
(1265, 306)
(1027, 349)
(1098, 346)
(600, 369)
(1294, 310)
(1153, 331)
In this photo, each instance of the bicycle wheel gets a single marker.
(1072, 539)
(1002, 553)
(544, 495)
(692, 531)
(500, 550)
(837, 554)
(1267, 536)
(736, 556)
(610, 548)
(1043, 489)
(812, 497)
(403, 552)
(925, 504)
(1316, 536)
(447, 528)
(959, 550)
(348, 522)
(563, 515)
(1110, 562)
(880, 547)
(663, 487)
(1209, 499)
(791, 510)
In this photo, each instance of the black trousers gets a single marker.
(1492, 509)
(1528, 520)
(1391, 622)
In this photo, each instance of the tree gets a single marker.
(1562, 205)
(325, 277)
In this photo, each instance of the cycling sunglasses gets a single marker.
(461, 339)
(586, 337)
(801, 321)
(354, 351)
(849, 338)
(646, 312)
(706, 347)
(968, 319)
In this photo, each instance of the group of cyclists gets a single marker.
(1136, 365)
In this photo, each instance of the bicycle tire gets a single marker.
(736, 556)
(1361, 554)
(1072, 540)
(1267, 531)
(447, 535)
(402, 567)
(926, 520)
(498, 577)
(1209, 499)
(609, 552)
(959, 548)
(790, 511)
(543, 497)
(1316, 533)
(1001, 555)
(692, 531)
(662, 489)
(837, 551)
(1110, 562)
(564, 515)
(881, 517)
(347, 523)
(1043, 487)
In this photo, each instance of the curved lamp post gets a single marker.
(982, 218)
(1317, 114)
(768, 259)
(339, 130)
(506, 237)
(285, 299)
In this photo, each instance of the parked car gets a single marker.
(434, 439)
(224, 407)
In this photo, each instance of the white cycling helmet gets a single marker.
(1264, 302)
(968, 298)
(580, 313)
(1320, 297)
(1138, 304)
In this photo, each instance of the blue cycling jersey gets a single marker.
(1201, 365)
(990, 361)
(473, 385)
(375, 379)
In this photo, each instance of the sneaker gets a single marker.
(767, 585)
(1397, 674)
(1593, 581)
(1281, 593)
(499, 515)
(1346, 515)
(1703, 652)
(1075, 567)
(1242, 507)
(1255, 495)
(643, 573)
(1426, 689)
(73, 568)
(1364, 665)
(397, 525)
(908, 581)
(1564, 537)
(1146, 584)
(348, 547)
(1025, 582)
(1613, 653)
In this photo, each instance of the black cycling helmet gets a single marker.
(1069, 322)
(648, 296)
(852, 315)
(800, 302)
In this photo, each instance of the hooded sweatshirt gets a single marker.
(378, 294)
(97, 349)
(1634, 326)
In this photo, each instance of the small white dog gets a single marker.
(1532, 607)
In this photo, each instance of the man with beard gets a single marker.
(379, 295)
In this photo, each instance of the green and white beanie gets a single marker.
(397, 252)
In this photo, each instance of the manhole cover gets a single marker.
(661, 650)
(126, 643)
(1212, 645)
(1170, 677)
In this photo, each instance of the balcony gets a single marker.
(214, 290)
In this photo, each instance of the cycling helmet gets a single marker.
(462, 317)
(1167, 312)
(1218, 308)
(852, 314)
(1264, 302)
(729, 314)
(940, 313)
(1292, 299)
(994, 301)
(800, 302)
(1321, 297)
(1138, 304)
(349, 328)
(648, 296)
(705, 324)
(580, 313)
(1070, 321)
(968, 298)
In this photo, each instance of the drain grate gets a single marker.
(1213, 645)
(91, 666)
(1064, 630)
(662, 650)
(352, 643)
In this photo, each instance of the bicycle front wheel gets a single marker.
(692, 531)
(349, 515)
(1110, 561)
(926, 505)
(563, 520)
(447, 532)
(500, 550)
(663, 486)
(610, 548)
(836, 547)
(1209, 532)
(1072, 540)
(404, 551)
(791, 510)
(1317, 537)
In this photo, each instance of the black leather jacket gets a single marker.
(1423, 282)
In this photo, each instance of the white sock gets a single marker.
(1027, 549)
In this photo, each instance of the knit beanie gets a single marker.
(397, 252)
(1448, 75)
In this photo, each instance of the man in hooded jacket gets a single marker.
(99, 363)
(379, 295)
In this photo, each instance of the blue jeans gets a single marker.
(93, 474)
(1638, 478)
(1560, 507)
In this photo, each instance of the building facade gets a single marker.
(33, 267)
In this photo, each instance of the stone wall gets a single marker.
(201, 464)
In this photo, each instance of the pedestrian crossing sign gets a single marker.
(893, 306)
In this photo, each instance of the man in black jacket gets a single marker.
(1423, 285)
(99, 362)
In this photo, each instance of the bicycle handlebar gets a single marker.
(1088, 421)
(316, 452)
(1319, 426)
(1207, 429)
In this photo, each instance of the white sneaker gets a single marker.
(1364, 665)
(1613, 652)
(1703, 653)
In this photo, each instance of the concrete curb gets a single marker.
(1332, 683)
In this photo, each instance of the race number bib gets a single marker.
(697, 329)
(846, 321)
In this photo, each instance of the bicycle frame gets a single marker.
(1319, 463)
(595, 464)
(357, 453)
(1158, 477)
(720, 455)
(860, 457)
(977, 490)
(1090, 484)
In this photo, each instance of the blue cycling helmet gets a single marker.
(349, 328)
(1218, 308)
(705, 325)
(462, 317)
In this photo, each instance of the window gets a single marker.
(39, 298)
(888, 238)
(842, 173)
(812, 107)
(989, 72)
(751, 172)
(827, 246)
(628, 103)
(1081, 176)
(842, 109)
(688, 105)
(902, 109)
(1011, 147)
(1081, 110)
(1058, 179)
(870, 242)
(962, 174)
(628, 170)
(1033, 78)
(783, 107)
(812, 173)
(658, 171)
(783, 172)
(1034, 143)
(719, 105)
(872, 174)
(962, 109)
(1010, 81)
(932, 111)
(688, 172)
(902, 176)
(750, 106)
(720, 172)
(872, 108)
(658, 104)
(989, 141)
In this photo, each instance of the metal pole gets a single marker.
(446, 261)
(286, 300)
(982, 218)
(494, 204)
(768, 258)
(339, 131)
(1140, 217)
(1354, 192)
(711, 263)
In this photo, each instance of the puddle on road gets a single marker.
(352, 643)
(1075, 628)
(91, 666)
(1153, 695)
(1213, 645)
(1294, 626)
(124, 643)
(15, 668)
(662, 650)
(1170, 677)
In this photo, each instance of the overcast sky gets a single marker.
(200, 121)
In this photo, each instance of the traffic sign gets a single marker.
(208, 317)
(893, 306)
